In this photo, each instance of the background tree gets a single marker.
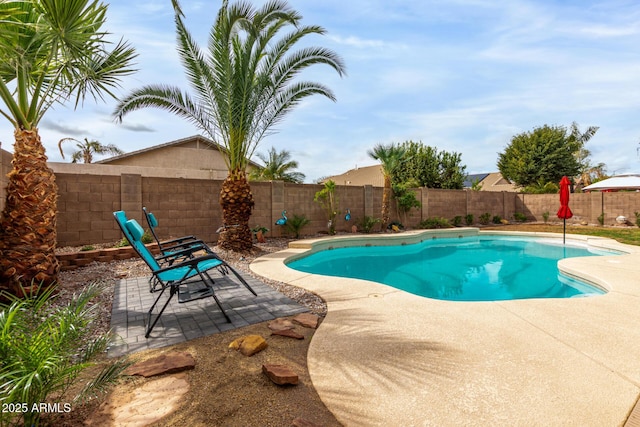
(278, 166)
(391, 157)
(425, 166)
(48, 54)
(243, 86)
(87, 149)
(543, 155)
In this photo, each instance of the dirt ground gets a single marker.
(226, 388)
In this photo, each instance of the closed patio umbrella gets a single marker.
(564, 212)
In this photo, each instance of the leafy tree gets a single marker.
(544, 155)
(278, 166)
(242, 86)
(391, 157)
(87, 149)
(49, 53)
(424, 166)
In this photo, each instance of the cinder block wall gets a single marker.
(184, 206)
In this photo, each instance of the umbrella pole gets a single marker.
(564, 230)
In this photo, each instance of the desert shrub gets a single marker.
(637, 214)
(484, 218)
(520, 217)
(497, 219)
(434, 222)
(457, 221)
(545, 216)
(294, 224)
(601, 219)
(468, 219)
(367, 223)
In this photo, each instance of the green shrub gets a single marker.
(122, 243)
(637, 214)
(457, 221)
(367, 223)
(520, 217)
(434, 222)
(484, 218)
(545, 216)
(294, 224)
(468, 219)
(497, 219)
(43, 349)
(601, 219)
(87, 248)
(147, 237)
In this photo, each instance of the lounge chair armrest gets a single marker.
(190, 262)
(199, 244)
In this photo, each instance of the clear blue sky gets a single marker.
(459, 75)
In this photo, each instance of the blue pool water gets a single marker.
(461, 269)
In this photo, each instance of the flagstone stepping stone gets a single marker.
(280, 324)
(164, 364)
(140, 406)
(307, 320)
(288, 333)
(249, 344)
(280, 374)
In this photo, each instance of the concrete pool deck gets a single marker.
(386, 357)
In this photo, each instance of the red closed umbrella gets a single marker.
(564, 212)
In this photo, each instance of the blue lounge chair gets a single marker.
(167, 246)
(189, 279)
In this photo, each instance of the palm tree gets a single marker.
(49, 54)
(243, 86)
(390, 157)
(87, 149)
(277, 167)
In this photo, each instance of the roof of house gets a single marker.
(188, 140)
(367, 175)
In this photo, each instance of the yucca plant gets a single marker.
(43, 349)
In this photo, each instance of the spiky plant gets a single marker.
(50, 52)
(243, 85)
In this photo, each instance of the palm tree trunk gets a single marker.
(28, 223)
(236, 201)
(386, 201)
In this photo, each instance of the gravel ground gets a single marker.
(226, 388)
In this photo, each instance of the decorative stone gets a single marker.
(249, 345)
(288, 333)
(354, 229)
(307, 320)
(164, 364)
(280, 324)
(280, 374)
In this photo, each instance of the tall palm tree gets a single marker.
(277, 167)
(87, 149)
(390, 157)
(50, 52)
(243, 85)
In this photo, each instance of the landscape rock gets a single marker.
(164, 364)
(249, 345)
(280, 324)
(280, 374)
(307, 320)
(288, 333)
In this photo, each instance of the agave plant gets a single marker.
(43, 349)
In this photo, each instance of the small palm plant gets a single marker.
(43, 349)
(294, 225)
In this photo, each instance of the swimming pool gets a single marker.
(471, 268)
